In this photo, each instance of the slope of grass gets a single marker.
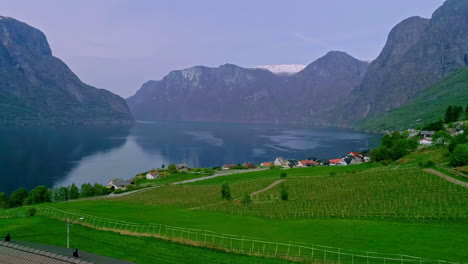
(136, 249)
(428, 107)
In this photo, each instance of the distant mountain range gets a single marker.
(283, 69)
(336, 89)
(38, 88)
(234, 94)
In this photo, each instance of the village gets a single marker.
(425, 138)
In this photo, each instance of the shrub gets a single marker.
(459, 156)
(226, 192)
(18, 197)
(247, 199)
(427, 164)
(3, 200)
(172, 168)
(283, 175)
(31, 211)
(284, 194)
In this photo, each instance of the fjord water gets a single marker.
(48, 156)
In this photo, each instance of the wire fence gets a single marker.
(238, 244)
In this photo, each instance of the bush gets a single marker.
(31, 211)
(226, 192)
(284, 194)
(172, 168)
(427, 164)
(247, 199)
(283, 175)
(459, 156)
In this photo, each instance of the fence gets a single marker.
(238, 244)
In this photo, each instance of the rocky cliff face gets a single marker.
(418, 53)
(38, 88)
(234, 94)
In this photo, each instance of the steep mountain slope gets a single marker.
(234, 94)
(418, 53)
(428, 106)
(38, 88)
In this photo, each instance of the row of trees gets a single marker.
(394, 146)
(42, 194)
(455, 113)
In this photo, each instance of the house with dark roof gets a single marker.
(119, 184)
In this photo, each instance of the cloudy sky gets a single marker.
(120, 44)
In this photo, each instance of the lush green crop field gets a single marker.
(136, 249)
(274, 173)
(403, 194)
(189, 196)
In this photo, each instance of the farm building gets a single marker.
(152, 175)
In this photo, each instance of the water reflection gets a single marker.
(34, 156)
(61, 156)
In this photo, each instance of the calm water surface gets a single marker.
(60, 156)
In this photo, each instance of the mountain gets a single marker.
(418, 53)
(283, 69)
(231, 93)
(38, 88)
(453, 90)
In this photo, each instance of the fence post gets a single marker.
(276, 250)
(253, 244)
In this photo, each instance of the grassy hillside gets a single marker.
(394, 209)
(136, 249)
(429, 106)
(399, 208)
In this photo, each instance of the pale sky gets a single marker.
(120, 44)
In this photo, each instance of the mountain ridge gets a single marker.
(38, 88)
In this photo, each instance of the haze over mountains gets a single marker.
(335, 89)
(38, 88)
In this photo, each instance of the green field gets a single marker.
(136, 249)
(353, 211)
(451, 91)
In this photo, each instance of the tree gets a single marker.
(61, 194)
(441, 138)
(379, 154)
(283, 174)
(457, 140)
(226, 192)
(99, 189)
(448, 117)
(3, 200)
(399, 149)
(172, 168)
(435, 126)
(86, 190)
(163, 166)
(17, 197)
(459, 156)
(40, 194)
(457, 113)
(466, 112)
(73, 192)
(284, 194)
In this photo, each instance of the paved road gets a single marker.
(446, 177)
(219, 174)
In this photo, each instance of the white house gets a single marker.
(152, 175)
(119, 184)
(279, 161)
(425, 141)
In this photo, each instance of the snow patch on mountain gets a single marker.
(283, 69)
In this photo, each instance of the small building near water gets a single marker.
(152, 175)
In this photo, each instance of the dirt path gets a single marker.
(267, 188)
(446, 177)
(220, 174)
